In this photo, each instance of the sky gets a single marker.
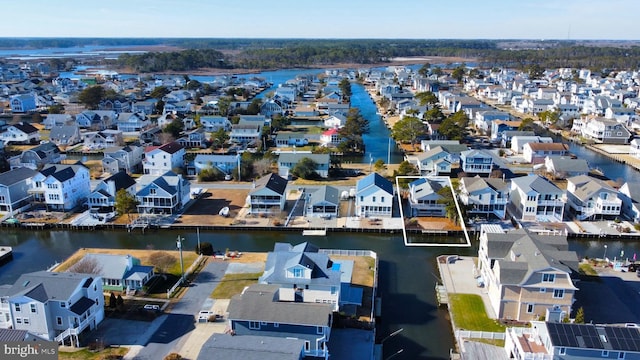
(400, 19)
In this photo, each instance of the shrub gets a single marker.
(173, 356)
(205, 249)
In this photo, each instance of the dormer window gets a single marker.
(298, 272)
(548, 278)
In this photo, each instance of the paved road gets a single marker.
(172, 333)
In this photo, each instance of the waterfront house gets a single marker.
(14, 190)
(507, 136)
(534, 198)
(65, 135)
(20, 133)
(268, 195)
(103, 197)
(605, 131)
(374, 196)
(535, 153)
(630, 195)
(518, 142)
(525, 273)
(330, 138)
(122, 273)
(61, 187)
(590, 198)
(288, 161)
(257, 311)
(322, 202)
(228, 346)
(36, 157)
(555, 340)
(164, 194)
(102, 139)
(126, 158)
(336, 120)
(424, 196)
(286, 139)
(483, 119)
(562, 167)
(476, 162)
(160, 159)
(500, 126)
(22, 103)
(132, 122)
(54, 306)
(271, 108)
(484, 196)
(224, 163)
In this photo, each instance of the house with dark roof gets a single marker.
(102, 139)
(165, 194)
(591, 198)
(160, 159)
(96, 119)
(484, 196)
(20, 133)
(14, 190)
(258, 312)
(120, 272)
(54, 306)
(252, 347)
(61, 187)
(534, 198)
(103, 198)
(7, 335)
(554, 340)
(268, 195)
(630, 195)
(53, 120)
(38, 156)
(525, 273)
(65, 135)
(322, 202)
(424, 198)
(374, 196)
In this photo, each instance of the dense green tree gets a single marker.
(91, 96)
(159, 92)
(125, 203)
(379, 165)
(160, 106)
(254, 107)
(193, 85)
(453, 127)
(345, 87)
(426, 98)
(223, 105)
(437, 71)
(408, 130)
(580, 316)
(527, 124)
(219, 138)
(351, 133)
(424, 70)
(549, 117)
(279, 122)
(458, 73)
(56, 109)
(451, 211)
(211, 173)
(305, 169)
(434, 115)
(406, 169)
(174, 128)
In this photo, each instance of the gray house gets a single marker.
(257, 311)
(54, 306)
(227, 346)
(121, 272)
(268, 195)
(323, 202)
(14, 190)
(103, 198)
(37, 157)
(287, 161)
(65, 135)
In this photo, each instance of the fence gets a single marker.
(468, 334)
(186, 273)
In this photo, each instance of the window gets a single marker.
(18, 320)
(16, 307)
(530, 308)
(298, 272)
(319, 330)
(33, 308)
(558, 293)
(361, 198)
(374, 199)
(254, 325)
(26, 321)
(307, 345)
(152, 191)
(58, 320)
(334, 290)
(275, 325)
(63, 304)
(605, 353)
(263, 323)
(381, 198)
(543, 290)
(621, 355)
(562, 351)
(548, 278)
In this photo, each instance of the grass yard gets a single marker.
(587, 269)
(469, 314)
(86, 354)
(233, 284)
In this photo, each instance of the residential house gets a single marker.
(119, 106)
(225, 163)
(620, 114)
(629, 193)
(120, 272)
(559, 340)
(36, 157)
(245, 133)
(194, 139)
(160, 159)
(20, 133)
(507, 136)
(103, 198)
(634, 148)
(271, 108)
(152, 136)
(323, 202)
(228, 346)
(590, 198)
(164, 194)
(127, 158)
(286, 139)
(147, 107)
(535, 153)
(605, 131)
(22, 103)
(102, 139)
(534, 198)
(518, 142)
(215, 123)
(257, 311)
(287, 162)
(53, 120)
(54, 306)
(14, 190)
(330, 138)
(65, 135)
(562, 167)
(484, 196)
(434, 162)
(500, 126)
(374, 196)
(96, 119)
(269, 195)
(61, 187)
(424, 196)
(335, 120)
(132, 122)
(525, 273)
(476, 162)
(483, 119)
(179, 107)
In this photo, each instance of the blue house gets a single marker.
(258, 312)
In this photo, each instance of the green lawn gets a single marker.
(233, 284)
(86, 354)
(587, 269)
(469, 313)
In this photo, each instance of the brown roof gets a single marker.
(548, 146)
(171, 147)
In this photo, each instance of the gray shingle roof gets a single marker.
(536, 183)
(305, 254)
(16, 175)
(250, 347)
(325, 194)
(56, 286)
(259, 303)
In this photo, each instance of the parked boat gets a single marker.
(224, 211)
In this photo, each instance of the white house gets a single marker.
(476, 162)
(164, 194)
(484, 196)
(330, 138)
(630, 195)
(424, 198)
(20, 133)
(534, 198)
(535, 153)
(61, 187)
(160, 159)
(374, 196)
(590, 198)
(215, 123)
(287, 161)
(132, 122)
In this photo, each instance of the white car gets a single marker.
(152, 307)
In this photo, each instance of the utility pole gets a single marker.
(179, 241)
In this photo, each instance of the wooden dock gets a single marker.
(6, 254)
(314, 232)
(442, 295)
